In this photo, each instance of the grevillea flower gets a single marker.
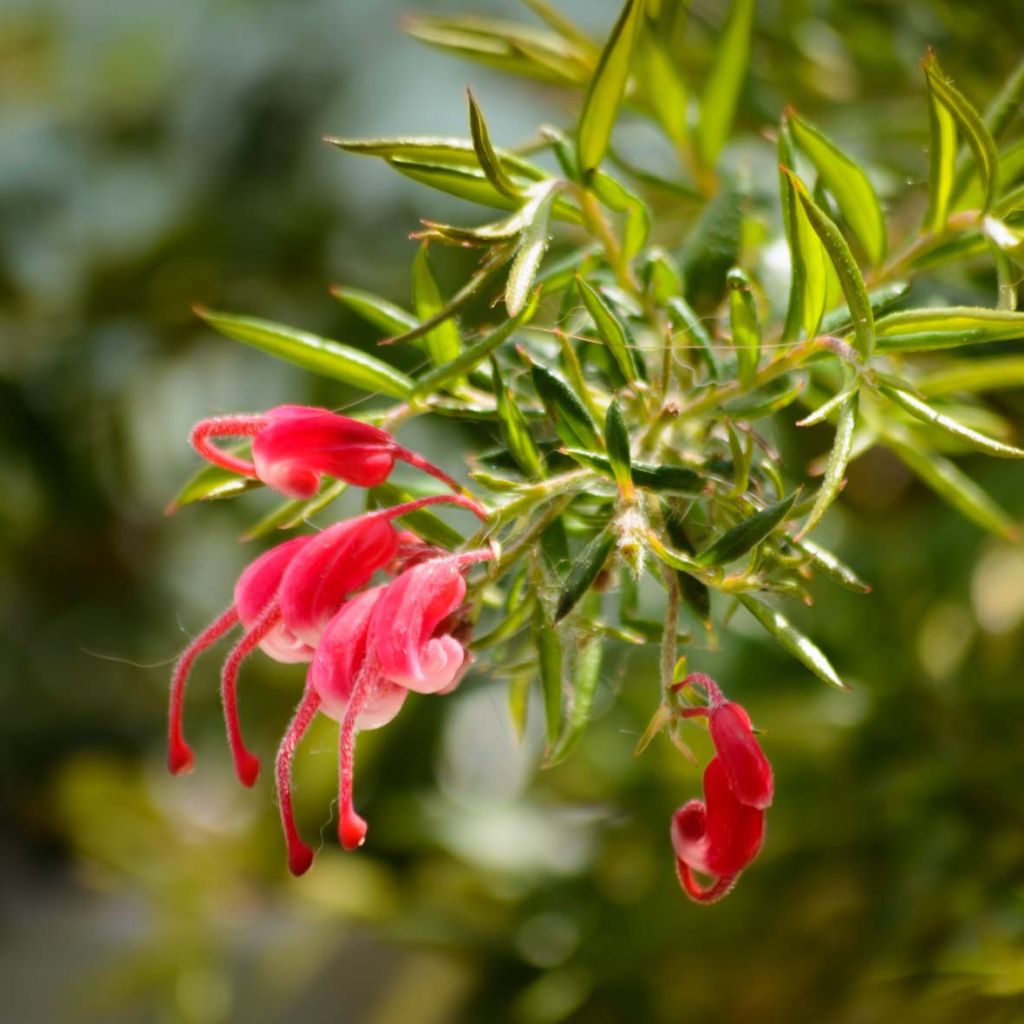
(295, 445)
(284, 600)
(379, 645)
(722, 835)
(718, 837)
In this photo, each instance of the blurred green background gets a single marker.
(157, 154)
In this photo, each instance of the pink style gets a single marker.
(293, 446)
(380, 645)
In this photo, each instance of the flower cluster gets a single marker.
(720, 836)
(304, 600)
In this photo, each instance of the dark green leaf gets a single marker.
(616, 440)
(515, 431)
(686, 319)
(572, 421)
(313, 353)
(829, 565)
(767, 399)
(587, 673)
(665, 479)
(746, 534)
(612, 331)
(712, 249)
(584, 572)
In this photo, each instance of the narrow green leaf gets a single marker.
(663, 85)
(373, 309)
(722, 89)
(211, 482)
(921, 330)
(881, 298)
(572, 421)
(311, 352)
(549, 659)
(443, 341)
(563, 26)
(849, 185)
(678, 560)
(506, 45)
(613, 332)
(519, 702)
(941, 162)
(473, 356)
(954, 486)
(490, 162)
(846, 269)
(832, 567)
(515, 431)
(712, 248)
(767, 399)
(687, 320)
(617, 197)
(665, 479)
(694, 591)
(842, 446)
(616, 440)
(958, 108)
(792, 640)
(463, 182)
(601, 104)
(437, 150)
(743, 536)
(924, 412)
(586, 675)
(812, 279)
(584, 572)
(974, 375)
(745, 325)
(533, 243)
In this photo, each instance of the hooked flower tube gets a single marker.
(295, 445)
(722, 835)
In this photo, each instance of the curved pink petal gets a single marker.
(257, 588)
(339, 659)
(750, 774)
(334, 563)
(300, 444)
(411, 609)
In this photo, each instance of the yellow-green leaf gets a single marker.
(443, 341)
(311, 352)
(849, 185)
(601, 104)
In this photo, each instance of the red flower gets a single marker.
(284, 599)
(294, 445)
(377, 647)
(719, 837)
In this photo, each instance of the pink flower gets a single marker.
(719, 837)
(284, 599)
(294, 445)
(380, 645)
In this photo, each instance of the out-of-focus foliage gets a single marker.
(156, 155)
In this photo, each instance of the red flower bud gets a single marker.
(294, 445)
